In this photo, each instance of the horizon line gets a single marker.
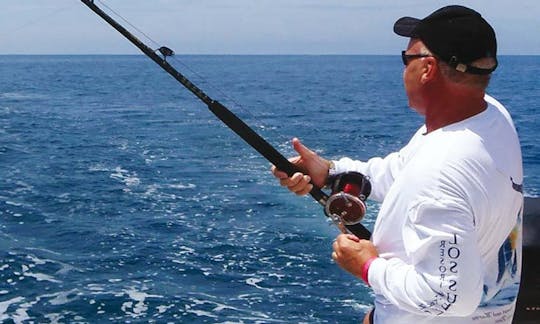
(222, 54)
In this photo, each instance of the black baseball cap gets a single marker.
(455, 34)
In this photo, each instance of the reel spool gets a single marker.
(346, 204)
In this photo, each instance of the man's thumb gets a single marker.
(301, 148)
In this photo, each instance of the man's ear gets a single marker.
(431, 69)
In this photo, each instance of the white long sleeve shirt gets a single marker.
(449, 226)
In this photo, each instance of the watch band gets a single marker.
(331, 168)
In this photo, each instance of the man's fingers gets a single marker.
(306, 190)
(300, 182)
(353, 238)
(292, 181)
(335, 248)
(281, 174)
(278, 173)
(341, 241)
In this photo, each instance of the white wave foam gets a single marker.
(240, 315)
(4, 305)
(185, 250)
(182, 186)
(64, 297)
(23, 96)
(254, 282)
(128, 178)
(12, 203)
(98, 168)
(118, 173)
(200, 313)
(163, 308)
(41, 277)
(137, 307)
(21, 314)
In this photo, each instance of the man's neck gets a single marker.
(453, 107)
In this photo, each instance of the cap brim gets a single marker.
(406, 26)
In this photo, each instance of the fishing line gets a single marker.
(254, 118)
(127, 22)
(346, 213)
(178, 61)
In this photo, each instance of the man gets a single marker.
(446, 245)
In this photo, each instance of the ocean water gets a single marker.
(123, 199)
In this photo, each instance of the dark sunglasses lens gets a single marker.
(404, 58)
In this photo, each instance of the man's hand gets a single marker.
(351, 253)
(313, 168)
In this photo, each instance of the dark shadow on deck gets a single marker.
(528, 303)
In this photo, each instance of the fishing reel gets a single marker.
(346, 204)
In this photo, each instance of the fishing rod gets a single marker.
(339, 207)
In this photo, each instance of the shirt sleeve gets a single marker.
(444, 277)
(381, 171)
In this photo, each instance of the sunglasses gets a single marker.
(406, 58)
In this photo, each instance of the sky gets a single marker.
(246, 26)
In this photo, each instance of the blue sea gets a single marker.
(123, 199)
